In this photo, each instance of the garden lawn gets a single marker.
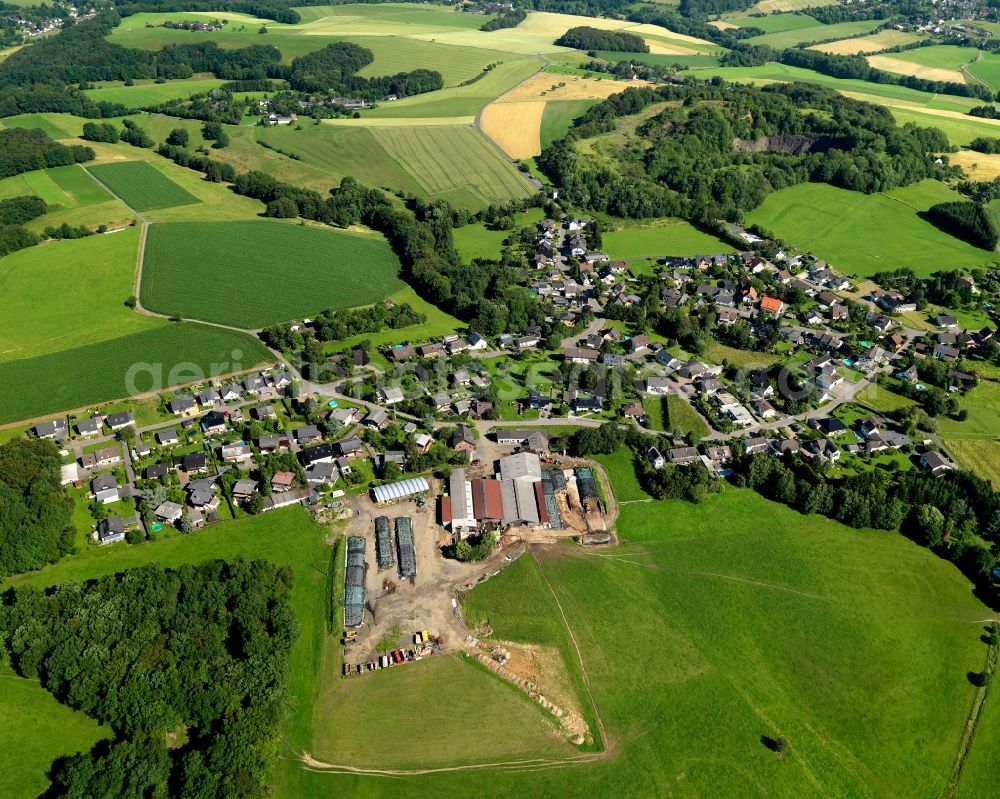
(95, 373)
(37, 730)
(653, 406)
(673, 237)
(683, 418)
(848, 228)
(437, 324)
(65, 294)
(140, 186)
(621, 472)
(262, 272)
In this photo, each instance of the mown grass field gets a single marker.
(777, 23)
(144, 94)
(979, 455)
(262, 272)
(815, 33)
(37, 730)
(558, 118)
(341, 150)
(874, 43)
(847, 228)
(64, 294)
(666, 237)
(61, 186)
(982, 403)
(98, 372)
(359, 721)
(621, 472)
(140, 186)
(57, 126)
(443, 159)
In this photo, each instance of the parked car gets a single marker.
(397, 656)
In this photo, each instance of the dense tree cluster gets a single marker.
(34, 510)
(723, 148)
(196, 655)
(601, 440)
(985, 144)
(969, 508)
(968, 221)
(27, 149)
(18, 210)
(336, 325)
(584, 37)
(81, 53)
(509, 19)
(333, 69)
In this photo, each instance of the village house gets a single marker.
(104, 487)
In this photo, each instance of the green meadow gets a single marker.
(64, 294)
(777, 23)
(848, 228)
(262, 272)
(149, 93)
(666, 237)
(681, 417)
(791, 37)
(37, 730)
(98, 372)
(557, 118)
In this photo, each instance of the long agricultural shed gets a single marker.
(354, 582)
(383, 543)
(404, 543)
(403, 489)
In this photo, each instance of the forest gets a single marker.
(690, 165)
(27, 149)
(34, 510)
(586, 38)
(186, 666)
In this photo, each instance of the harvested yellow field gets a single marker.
(515, 126)
(722, 25)
(669, 49)
(890, 64)
(656, 30)
(550, 86)
(978, 166)
(783, 6)
(882, 40)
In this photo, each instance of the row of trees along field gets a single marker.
(186, 666)
(691, 167)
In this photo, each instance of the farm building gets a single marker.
(383, 543)
(404, 544)
(354, 582)
(521, 496)
(398, 491)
